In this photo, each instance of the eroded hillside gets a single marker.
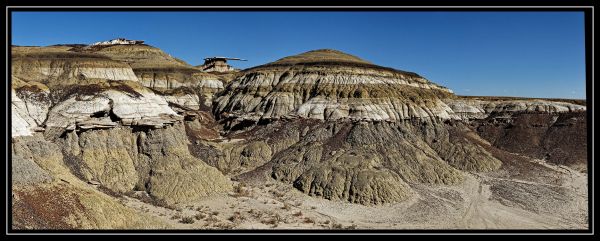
(144, 135)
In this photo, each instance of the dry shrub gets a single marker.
(211, 220)
(176, 216)
(187, 220)
(309, 220)
(241, 190)
(237, 217)
(274, 220)
(278, 194)
(200, 216)
(224, 226)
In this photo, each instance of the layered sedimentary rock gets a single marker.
(157, 69)
(111, 130)
(160, 71)
(57, 65)
(374, 130)
(329, 85)
(342, 128)
(328, 123)
(30, 102)
(106, 105)
(479, 109)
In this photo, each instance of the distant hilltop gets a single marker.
(119, 41)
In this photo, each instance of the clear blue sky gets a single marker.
(535, 54)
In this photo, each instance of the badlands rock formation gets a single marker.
(330, 85)
(57, 65)
(157, 69)
(377, 129)
(93, 123)
(100, 125)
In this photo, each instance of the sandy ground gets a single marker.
(481, 202)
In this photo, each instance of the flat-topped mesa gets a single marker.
(329, 84)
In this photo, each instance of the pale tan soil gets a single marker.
(470, 205)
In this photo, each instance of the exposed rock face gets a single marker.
(29, 107)
(370, 163)
(112, 131)
(155, 68)
(156, 161)
(384, 129)
(97, 106)
(26, 154)
(58, 66)
(559, 138)
(329, 85)
(129, 117)
(23, 124)
(46, 195)
(480, 109)
(160, 71)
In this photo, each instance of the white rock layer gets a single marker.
(148, 110)
(479, 109)
(27, 115)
